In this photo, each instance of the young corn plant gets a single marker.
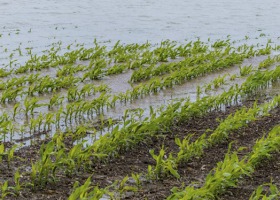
(233, 77)
(137, 179)
(5, 190)
(261, 194)
(267, 62)
(11, 94)
(33, 125)
(55, 100)
(43, 168)
(30, 105)
(49, 120)
(164, 166)
(217, 82)
(82, 191)
(18, 186)
(15, 109)
(244, 71)
(10, 155)
(226, 174)
(7, 154)
(86, 191)
(190, 149)
(122, 187)
(58, 116)
(74, 159)
(2, 152)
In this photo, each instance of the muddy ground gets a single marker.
(137, 160)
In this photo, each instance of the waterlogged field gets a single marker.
(192, 120)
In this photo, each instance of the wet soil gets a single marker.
(198, 168)
(267, 172)
(137, 159)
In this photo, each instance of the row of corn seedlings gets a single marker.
(14, 87)
(37, 84)
(180, 110)
(211, 57)
(189, 150)
(228, 172)
(82, 107)
(261, 192)
(73, 94)
(167, 165)
(41, 172)
(118, 54)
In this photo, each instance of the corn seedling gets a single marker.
(260, 194)
(86, 191)
(164, 166)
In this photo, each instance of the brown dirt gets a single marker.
(266, 172)
(197, 170)
(137, 160)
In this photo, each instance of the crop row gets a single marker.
(95, 70)
(234, 122)
(262, 194)
(227, 173)
(167, 164)
(187, 150)
(56, 158)
(210, 60)
(133, 54)
(79, 108)
(82, 107)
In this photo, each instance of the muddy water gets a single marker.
(273, 90)
(119, 83)
(189, 88)
(186, 90)
(37, 24)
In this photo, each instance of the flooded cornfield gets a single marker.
(139, 99)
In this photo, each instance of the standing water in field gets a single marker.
(28, 26)
(37, 24)
(120, 99)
